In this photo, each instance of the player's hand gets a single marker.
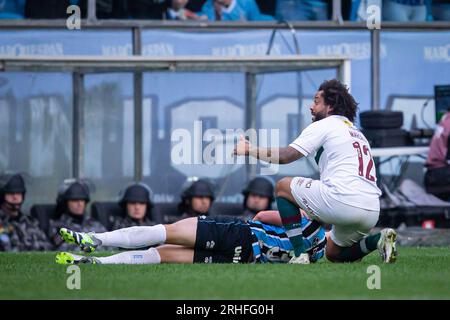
(242, 147)
(304, 214)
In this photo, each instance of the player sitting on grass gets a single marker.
(198, 240)
(346, 196)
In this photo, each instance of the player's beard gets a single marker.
(319, 116)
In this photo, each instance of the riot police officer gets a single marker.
(197, 196)
(258, 196)
(18, 231)
(136, 202)
(73, 197)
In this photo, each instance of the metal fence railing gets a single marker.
(82, 65)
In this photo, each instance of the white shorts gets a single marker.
(350, 224)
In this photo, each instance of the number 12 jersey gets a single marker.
(345, 161)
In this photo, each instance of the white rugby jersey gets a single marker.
(344, 159)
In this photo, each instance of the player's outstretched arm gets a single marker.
(269, 217)
(281, 155)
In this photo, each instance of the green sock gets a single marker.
(360, 249)
(291, 218)
(372, 241)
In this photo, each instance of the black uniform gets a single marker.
(137, 192)
(72, 190)
(260, 186)
(18, 232)
(22, 233)
(75, 223)
(168, 219)
(247, 215)
(126, 222)
(223, 240)
(190, 189)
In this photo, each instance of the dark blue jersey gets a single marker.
(272, 245)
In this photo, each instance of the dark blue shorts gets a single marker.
(222, 240)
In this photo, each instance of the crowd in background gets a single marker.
(21, 231)
(230, 10)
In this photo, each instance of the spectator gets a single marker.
(404, 10)
(197, 196)
(18, 232)
(438, 162)
(147, 9)
(12, 9)
(233, 10)
(258, 196)
(346, 8)
(294, 10)
(137, 206)
(440, 10)
(195, 5)
(46, 9)
(110, 9)
(73, 196)
(267, 6)
(177, 11)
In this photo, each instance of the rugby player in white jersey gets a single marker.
(346, 196)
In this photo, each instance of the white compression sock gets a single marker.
(150, 256)
(133, 237)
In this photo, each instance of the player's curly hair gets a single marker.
(337, 96)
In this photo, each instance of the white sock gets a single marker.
(133, 237)
(150, 256)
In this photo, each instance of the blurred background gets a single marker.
(399, 67)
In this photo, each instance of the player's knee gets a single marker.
(171, 229)
(282, 187)
(333, 255)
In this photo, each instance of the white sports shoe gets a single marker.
(301, 259)
(386, 245)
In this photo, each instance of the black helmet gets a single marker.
(11, 183)
(136, 192)
(195, 187)
(260, 186)
(73, 190)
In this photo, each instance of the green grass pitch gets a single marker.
(419, 273)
